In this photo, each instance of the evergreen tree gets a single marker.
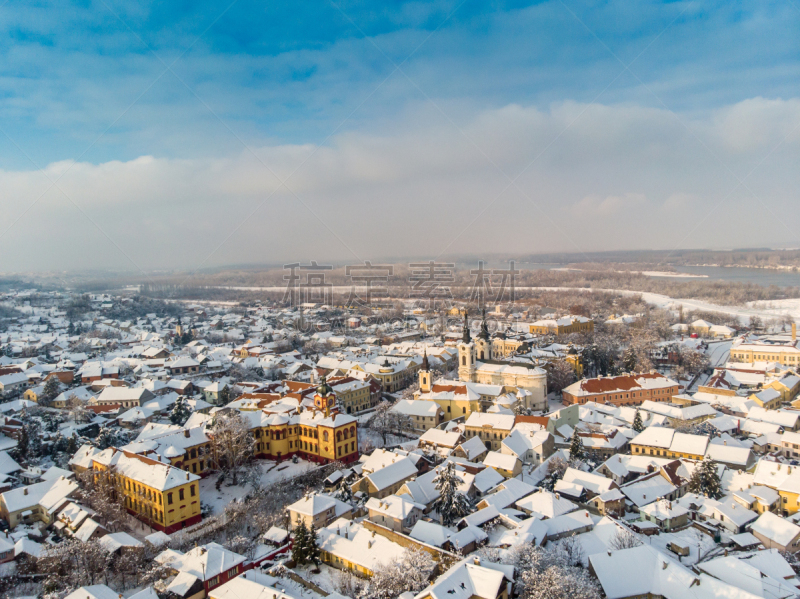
(576, 450)
(70, 329)
(105, 439)
(705, 479)
(22, 443)
(300, 543)
(50, 391)
(451, 504)
(180, 412)
(344, 492)
(629, 360)
(72, 445)
(312, 547)
(224, 395)
(638, 425)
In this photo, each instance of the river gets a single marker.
(759, 276)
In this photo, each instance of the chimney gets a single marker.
(186, 433)
(187, 476)
(477, 560)
(25, 491)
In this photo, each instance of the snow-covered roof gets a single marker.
(204, 562)
(775, 528)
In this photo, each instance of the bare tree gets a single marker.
(98, 490)
(232, 442)
(624, 539)
(386, 421)
(560, 375)
(77, 410)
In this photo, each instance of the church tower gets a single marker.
(425, 382)
(483, 345)
(466, 354)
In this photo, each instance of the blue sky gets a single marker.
(389, 110)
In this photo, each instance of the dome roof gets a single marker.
(324, 389)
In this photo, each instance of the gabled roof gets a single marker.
(204, 562)
(469, 579)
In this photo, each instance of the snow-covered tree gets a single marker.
(554, 573)
(556, 467)
(344, 492)
(98, 491)
(452, 505)
(299, 543)
(411, 573)
(705, 479)
(70, 564)
(50, 391)
(624, 539)
(77, 409)
(638, 425)
(312, 547)
(386, 421)
(224, 395)
(231, 441)
(560, 375)
(180, 411)
(576, 450)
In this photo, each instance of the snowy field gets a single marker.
(768, 310)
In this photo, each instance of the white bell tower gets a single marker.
(466, 354)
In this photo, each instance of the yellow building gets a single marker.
(668, 443)
(769, 399)
(565, 325)
(164, 497)
(352, 394)
(477, 364)
(778, 348)
(783, 478)
(319, 434)
(788, 386)
(490, 428)
(187, 449)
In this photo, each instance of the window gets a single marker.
(180, 494)
(169, 498)
(191, 490)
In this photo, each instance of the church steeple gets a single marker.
(425, 360)
(484, 334)
(466, 338)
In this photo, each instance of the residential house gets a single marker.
(346, 545)
(424, 415)
(318, 510)
(775, 532)
(396, 512)
(201, 569)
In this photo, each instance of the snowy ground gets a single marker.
(272, 473)
(326, 579)
(365, 434)
(768, 310)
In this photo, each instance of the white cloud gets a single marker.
(419, 189)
